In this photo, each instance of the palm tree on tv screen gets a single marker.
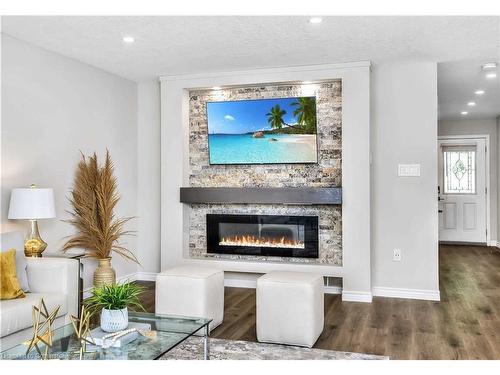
(275, 117)
(305, 113)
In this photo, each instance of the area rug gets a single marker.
(220, 349)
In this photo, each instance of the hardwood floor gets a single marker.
(464, 325)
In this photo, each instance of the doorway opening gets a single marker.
(463, 189)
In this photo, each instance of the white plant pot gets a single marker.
(114, 320)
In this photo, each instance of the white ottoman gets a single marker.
(290, 308)
(191, 291)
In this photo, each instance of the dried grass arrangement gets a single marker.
(94, 197)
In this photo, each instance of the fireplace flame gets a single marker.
(249, 240)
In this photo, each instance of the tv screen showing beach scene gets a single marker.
(262, 131)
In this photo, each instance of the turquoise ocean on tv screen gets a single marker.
(244, 149)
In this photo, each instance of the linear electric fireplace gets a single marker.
(270, 235)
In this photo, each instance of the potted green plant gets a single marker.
(113, 301)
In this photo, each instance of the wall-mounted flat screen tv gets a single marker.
(262, 131)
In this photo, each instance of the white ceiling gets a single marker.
(175, 45)
(457, 82)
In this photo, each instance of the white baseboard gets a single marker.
(429, 295)
(353, 296)
(146, 276)
(494, 243)
(348, 296)
(234, 282)
(240, 283)
(251, 284)
(332, 289)
(129, 277)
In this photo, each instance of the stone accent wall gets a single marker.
(326, 173)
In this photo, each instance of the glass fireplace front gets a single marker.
(269, 235)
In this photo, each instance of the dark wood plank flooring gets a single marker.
(464, 325)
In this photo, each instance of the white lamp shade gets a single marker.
(32, 203)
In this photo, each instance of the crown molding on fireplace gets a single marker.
(306, 195)
(308, 69)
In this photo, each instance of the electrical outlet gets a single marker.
(396, 256)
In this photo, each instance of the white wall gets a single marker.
(498, 178)
(404, 209)
(148, 175)
(480, 127)
(54, 107)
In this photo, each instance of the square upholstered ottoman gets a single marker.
(192, 291)
(290, 308)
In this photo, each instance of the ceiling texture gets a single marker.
(167, 45)
(457, 83)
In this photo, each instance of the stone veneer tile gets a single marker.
(326, 173)
(330, 229)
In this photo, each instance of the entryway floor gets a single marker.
(464, 325)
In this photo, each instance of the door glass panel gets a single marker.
(459, 170)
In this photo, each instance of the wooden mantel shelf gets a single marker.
(231, 195)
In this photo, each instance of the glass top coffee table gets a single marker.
(170, 332)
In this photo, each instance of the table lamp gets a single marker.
(32, 204)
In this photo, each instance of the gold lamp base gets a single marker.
(34, 245)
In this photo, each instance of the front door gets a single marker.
(462, 190)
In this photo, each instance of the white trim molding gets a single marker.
(428, 295)
(494, 243)
(146, 276)
(265, 71)
(347, 296)
(240, 283)
(247, 283)
(129, 277)
(332, 289)
(229, 281)
(353, 296)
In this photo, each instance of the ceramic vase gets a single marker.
(104, 274)
(114, 320)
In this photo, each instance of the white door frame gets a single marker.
(486, 137)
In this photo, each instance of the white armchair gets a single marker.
(53, 279)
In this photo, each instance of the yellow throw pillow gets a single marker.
(9, 285)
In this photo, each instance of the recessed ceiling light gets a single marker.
(128, 39)
(471, 104)
(306, 82)
(488, 66)
(216, 88)
(464, 113)
(479, 92)
(491, 75)
(315, 20)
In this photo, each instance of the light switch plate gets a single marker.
(396, 256)
(409, 170)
